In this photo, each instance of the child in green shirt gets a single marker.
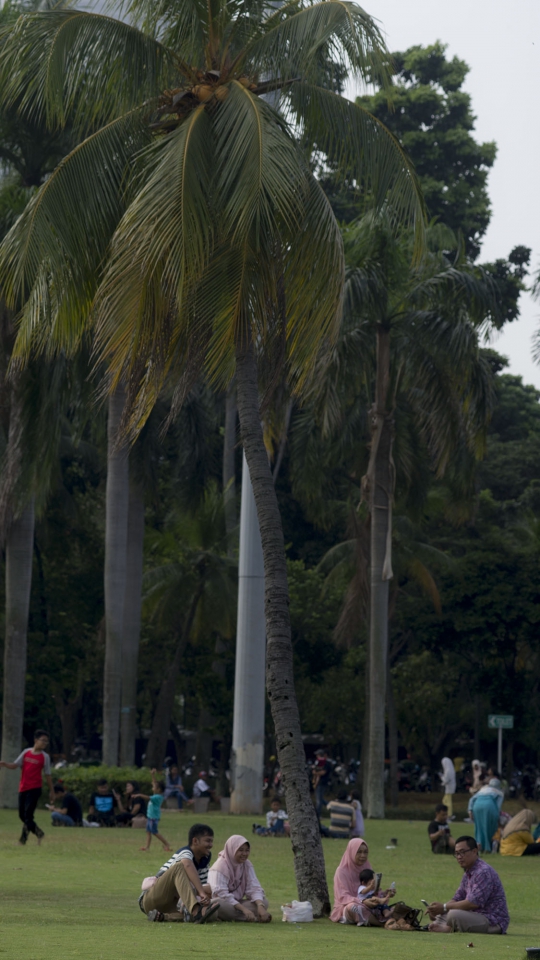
(153, 813)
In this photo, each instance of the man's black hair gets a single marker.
(342, 794)
(441, 807)
(160, 784)
(40, 733)
(199, 830)
(102, 782)
(59, 788)
(470, 841)
(366, 875)
(276, 800)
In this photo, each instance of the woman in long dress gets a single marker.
(485, 808)
(235, 885)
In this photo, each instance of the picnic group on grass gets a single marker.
(189, 888)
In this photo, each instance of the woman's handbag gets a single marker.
(404, 917)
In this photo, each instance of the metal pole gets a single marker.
(249, 681)
(499, 752)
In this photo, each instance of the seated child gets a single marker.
(277, 824)
(378, 906)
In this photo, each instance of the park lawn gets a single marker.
(75, 898)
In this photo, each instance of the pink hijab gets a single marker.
(346, 880)
(237, 874)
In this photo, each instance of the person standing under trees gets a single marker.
(35, 763)
(448, 780)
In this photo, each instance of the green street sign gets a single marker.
(497, 720)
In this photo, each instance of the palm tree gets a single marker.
(215, 236)
(194, 567)
(409, 354)
(28, 152)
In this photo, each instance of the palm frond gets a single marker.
(296, 33)
(50, 259)
(85, 67)
(363, 149)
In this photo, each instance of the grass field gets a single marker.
(75, 898)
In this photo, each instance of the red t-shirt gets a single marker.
(33, 766)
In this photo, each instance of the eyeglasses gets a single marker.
(463, 853)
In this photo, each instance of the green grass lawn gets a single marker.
(76, 897)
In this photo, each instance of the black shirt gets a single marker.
(434, 827)
(72, 806)
(103, 803)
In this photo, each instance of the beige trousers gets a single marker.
(465, 921)
(227, 911)
(173, 885)
(448, 799)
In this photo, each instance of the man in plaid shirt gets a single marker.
(479, 903)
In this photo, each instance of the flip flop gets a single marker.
(205, 917)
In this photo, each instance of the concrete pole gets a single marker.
(499, 752)
(249, 680)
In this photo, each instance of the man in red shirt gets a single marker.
(35, 764)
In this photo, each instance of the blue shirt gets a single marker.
(153, 811)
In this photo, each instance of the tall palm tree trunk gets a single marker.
(306, 842)
(116, 525)
(229, 469)
(392, 741)
(157, 744)
(132, 623)
(19, 553)
(380, 482)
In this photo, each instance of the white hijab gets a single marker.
(448, 775)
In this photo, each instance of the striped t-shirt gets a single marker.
(186, 853)
(342, 817)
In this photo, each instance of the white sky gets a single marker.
(501, 43)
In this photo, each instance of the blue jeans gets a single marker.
(319, 798)
(178, 793)
(62, 820)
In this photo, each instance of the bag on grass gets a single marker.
(299, 911)
(410, 916)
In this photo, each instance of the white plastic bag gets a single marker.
(299, 911)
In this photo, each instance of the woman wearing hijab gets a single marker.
(478, 777)
(348, 908)
(235, 886)
(517, 839)
(485, 808)
(448, 779)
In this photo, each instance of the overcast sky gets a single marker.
(501, 43)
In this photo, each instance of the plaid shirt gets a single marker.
(482, 885)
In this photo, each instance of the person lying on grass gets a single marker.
(35, 764)
(479, 903)
(153, 813)
(180, 890)
(235, 886)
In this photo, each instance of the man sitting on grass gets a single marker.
(180, 891)
(479, 904)
(70, 812)
(101, 809)
(439, 831)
